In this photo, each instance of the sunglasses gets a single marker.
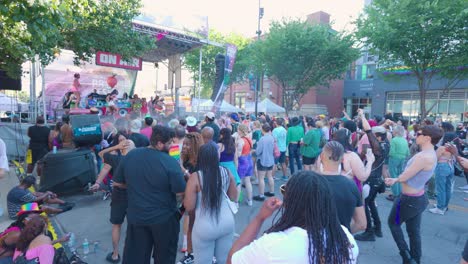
(190, 136)
(419, 134)
(283, 189)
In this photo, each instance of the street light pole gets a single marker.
(259, 33)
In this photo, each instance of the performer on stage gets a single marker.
(76, 90)
(110, 99)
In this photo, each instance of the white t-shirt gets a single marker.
(3, 156)
(289, 246)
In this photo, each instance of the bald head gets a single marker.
(207, 134)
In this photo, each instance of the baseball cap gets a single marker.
(210, 115)
(379, 129)
(135, 126)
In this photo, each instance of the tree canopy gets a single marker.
(192, 60)
(299, 56)
(41, 28)
(428, 37)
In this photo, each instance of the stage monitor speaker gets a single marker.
(8, 83)
(67, 171)
(86, 130)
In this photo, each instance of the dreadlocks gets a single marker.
(327, 241)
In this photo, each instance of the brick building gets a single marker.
(318, 100)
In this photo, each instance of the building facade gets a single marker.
(319, 100)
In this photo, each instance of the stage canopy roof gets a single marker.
(169, 41)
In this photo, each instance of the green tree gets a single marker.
(428, 37)
(41, 28)
(299, 56)
(192, 60)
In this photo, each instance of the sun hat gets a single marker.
(191, 121)
(135, 126)
(29, 208)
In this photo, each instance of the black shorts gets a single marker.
(308, 161)
(119, 206)
(281, 158)
(263, 168)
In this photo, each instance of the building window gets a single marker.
(353, 104)
(449, 106)
(239, 99)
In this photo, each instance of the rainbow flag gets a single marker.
(174, 151)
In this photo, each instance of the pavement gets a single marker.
(443, 237)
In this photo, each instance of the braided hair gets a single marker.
(308, 204)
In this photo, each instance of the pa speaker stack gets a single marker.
(67, 171)
(86, 130)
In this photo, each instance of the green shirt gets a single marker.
(311, 140)
(399, 148)
(295, 134)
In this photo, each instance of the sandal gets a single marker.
(111, 260)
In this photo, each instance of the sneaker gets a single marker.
(269, 194)
(366, 236)
(249, 203)
(106, 196)
(110, 259)
(464, 188)
(437, 211)
(187, 259)
(285, 178)
(259, 198)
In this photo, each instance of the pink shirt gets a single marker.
(45, 253)
(147, 131)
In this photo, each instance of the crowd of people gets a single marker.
(199, 173)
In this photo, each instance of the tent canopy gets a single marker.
(265, 106)
(8, 103)
(225, 107)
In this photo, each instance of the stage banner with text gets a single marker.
(231, 51)
(60, 79)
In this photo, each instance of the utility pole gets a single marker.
(259, 33)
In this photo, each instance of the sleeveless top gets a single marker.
(419, 180)
(224, 186)
(225, 157)
(247, 146)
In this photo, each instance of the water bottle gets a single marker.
(71, 242)
(86, 247)
(54, 150)
(96, 246)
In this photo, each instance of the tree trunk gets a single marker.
(422, 97)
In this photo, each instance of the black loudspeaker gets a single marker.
(86, 130)
(220, 61)
(8, 83)
(67, 171)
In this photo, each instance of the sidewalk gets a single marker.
(443, 237)
(9, 181)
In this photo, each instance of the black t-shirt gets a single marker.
(153, 178)
(39, 137)
(347, 197)
(139, 140)
(113, 160)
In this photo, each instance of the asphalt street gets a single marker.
(443, 236)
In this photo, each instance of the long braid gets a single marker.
(328, 244)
